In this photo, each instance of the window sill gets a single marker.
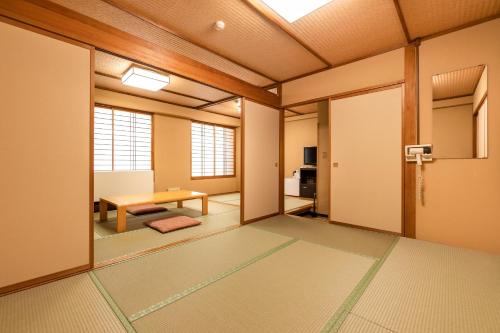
(212, 177)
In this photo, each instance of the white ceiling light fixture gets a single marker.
(293, 10)
(219, 25)
(145, 79)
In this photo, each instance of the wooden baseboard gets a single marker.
(44, 279)
(260, 218)
(365, 228)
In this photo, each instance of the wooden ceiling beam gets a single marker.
(65, 22)
(220, 101)
(402, 20)
(143, 17)
(163, 89)
(270, 16)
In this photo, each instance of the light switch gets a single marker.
(335, 164)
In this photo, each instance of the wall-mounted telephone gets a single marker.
(419, 154)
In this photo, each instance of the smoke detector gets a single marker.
(219, 25)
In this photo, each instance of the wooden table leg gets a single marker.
(103, 210)
(180, 204)
(204, 205)
(121, 219)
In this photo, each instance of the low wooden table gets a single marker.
(124, 201)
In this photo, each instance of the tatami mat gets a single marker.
(214, 208)
(224, 197)
(355, 324)
(292, 203)
(108, 228)
(69, 305)
(293, 290)
(140, 283)
(373, 244)
(146, 238)
(427, 287)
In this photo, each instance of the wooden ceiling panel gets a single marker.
(345, 30)
(229, 108)
(304, 109)
(457, 83)
(116, 85)
(112, 65)
(108, 14)
(427, 17)
(247, 38)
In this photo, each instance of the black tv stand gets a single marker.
(307, 182)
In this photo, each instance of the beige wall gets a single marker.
(452, 128)
(172, 142)
(381, 69)
(261, 160)
(44, 142)
(462, 195)
(366, 145)
(323, 181)
(299, 133)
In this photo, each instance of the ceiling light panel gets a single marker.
(145, 79)
(294, 10)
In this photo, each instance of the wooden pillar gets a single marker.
(410, 137)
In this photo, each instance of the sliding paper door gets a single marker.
(366, 183)
(45, 89)
(260, 192)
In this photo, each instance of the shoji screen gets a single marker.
(366, 185)
(261, 125)
(45, 89)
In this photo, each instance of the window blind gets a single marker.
(122, 140)
(212, 150)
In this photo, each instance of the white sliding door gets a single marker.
(366, 176)
(260, 160)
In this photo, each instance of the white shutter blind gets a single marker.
(122, 140)
(212, 150)
(103, 139)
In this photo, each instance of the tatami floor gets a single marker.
(283, 274)
(223, 214)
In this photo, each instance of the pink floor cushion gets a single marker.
(172, 223)
(145, 209)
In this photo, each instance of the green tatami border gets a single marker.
(336, 321)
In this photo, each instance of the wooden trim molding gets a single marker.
(242, 162)
(267, 14)
(91, 158)
(220, 101)
(65, 22)
(281, 190)
(410, 136)
(261, 218)
(146, 18)
(364, 228)
(401, 17)
(44, 279)
(351, 93)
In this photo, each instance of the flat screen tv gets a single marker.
(310, 155)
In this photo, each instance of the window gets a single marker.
(122, 140)
(212, 150)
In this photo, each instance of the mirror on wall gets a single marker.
(459, 113)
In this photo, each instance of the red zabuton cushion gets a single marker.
(172, 223)
(145, 209)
